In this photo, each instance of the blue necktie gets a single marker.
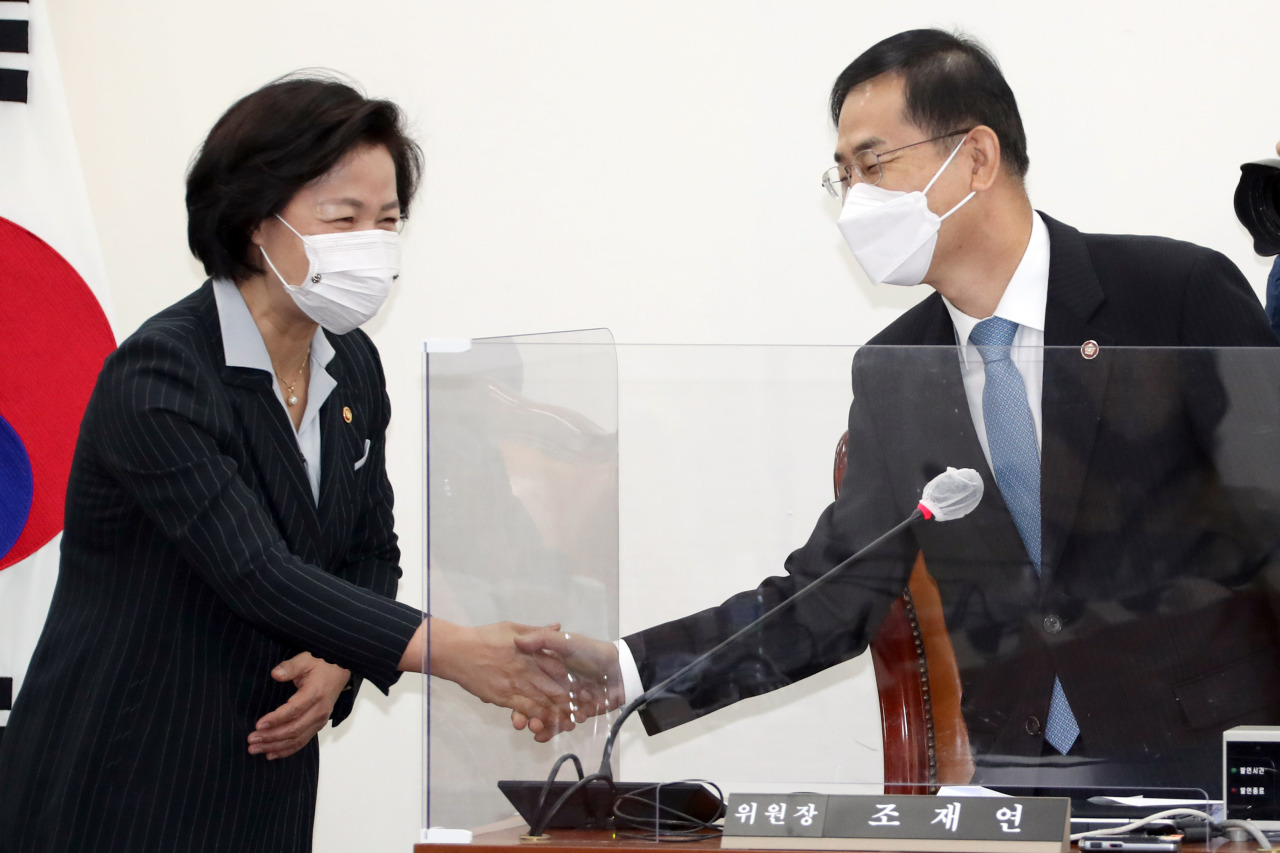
(1015, 456)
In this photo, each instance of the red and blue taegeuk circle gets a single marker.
(55, 337)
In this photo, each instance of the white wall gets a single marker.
(650, 167)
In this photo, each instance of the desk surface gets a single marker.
(597, 841)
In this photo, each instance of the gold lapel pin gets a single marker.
(1089, 349)
(346, 414)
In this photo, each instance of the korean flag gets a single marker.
(54, 331)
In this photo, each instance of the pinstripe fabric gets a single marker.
(194, 559)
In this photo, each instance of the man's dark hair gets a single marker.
(950, 82)
(271, 144)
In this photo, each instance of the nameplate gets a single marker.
(897, 823)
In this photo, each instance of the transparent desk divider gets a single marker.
(522, 505)
(570, 477)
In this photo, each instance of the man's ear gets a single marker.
(984, 155)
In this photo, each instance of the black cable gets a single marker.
(539, 818)
(676, 826)
(579, 786)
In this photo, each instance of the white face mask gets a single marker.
(893, 233)
(349, 275)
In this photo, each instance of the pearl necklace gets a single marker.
(292, 398)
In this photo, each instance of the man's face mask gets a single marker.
(891, 233)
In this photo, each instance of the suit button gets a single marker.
(1052, 624)
(1032, 725)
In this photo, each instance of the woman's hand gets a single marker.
(290, 727)
(486, 662)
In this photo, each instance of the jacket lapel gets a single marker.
(341, 445)
(1074, 386)
(271, 447)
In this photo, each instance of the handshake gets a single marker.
(551, 680)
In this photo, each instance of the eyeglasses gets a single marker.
(866, 165)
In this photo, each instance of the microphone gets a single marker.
(952, 494)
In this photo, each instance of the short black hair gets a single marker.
(272, 143)
(950, 82)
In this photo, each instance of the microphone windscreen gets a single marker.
(952, 494)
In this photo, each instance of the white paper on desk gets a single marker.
(1215, 808)
(968, 791)
(1158, 802)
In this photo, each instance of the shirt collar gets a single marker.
(242, 343)
(1026, 295)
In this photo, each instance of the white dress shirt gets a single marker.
(1023, 302)
(243, 346)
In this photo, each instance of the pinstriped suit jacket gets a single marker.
(194, 559)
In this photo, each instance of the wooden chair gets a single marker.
(926, 743)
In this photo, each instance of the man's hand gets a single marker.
(595, 681)
(290, 727)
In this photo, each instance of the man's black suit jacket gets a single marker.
(194, 559)
(1155, 604)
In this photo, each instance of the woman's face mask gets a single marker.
(349, 276)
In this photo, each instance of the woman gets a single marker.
(228, 561)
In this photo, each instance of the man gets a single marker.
(1109, 600)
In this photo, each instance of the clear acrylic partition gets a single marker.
(568, 475)
(522, 525)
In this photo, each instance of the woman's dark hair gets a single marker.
(271, 144)
(950, 83)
